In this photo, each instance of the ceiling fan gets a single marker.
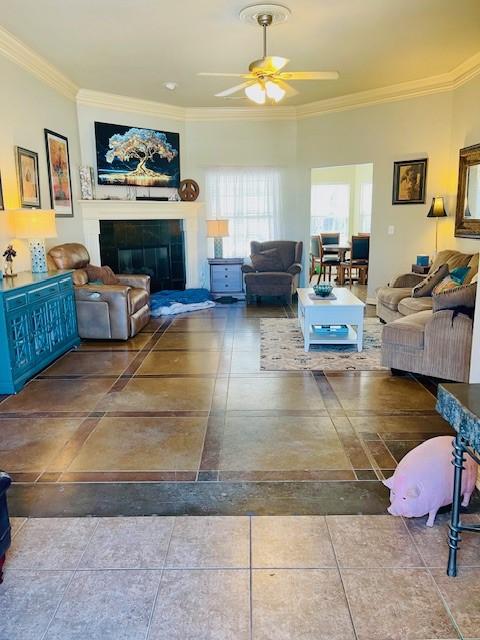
(266, 82)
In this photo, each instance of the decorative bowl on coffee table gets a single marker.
(323, 289)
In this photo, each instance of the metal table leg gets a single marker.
(455, 526)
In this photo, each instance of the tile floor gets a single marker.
(186, 401)
(180, 424)
(238, 578)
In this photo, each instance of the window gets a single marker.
(365, 217)
(250, 199)
(330, 209)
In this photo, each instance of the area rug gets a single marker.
(281, 349)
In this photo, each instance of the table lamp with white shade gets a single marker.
(34, 225)
(217, 229)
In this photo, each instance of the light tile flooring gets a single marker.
(238, 578)
(182, 420)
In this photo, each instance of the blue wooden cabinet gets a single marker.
(38, 323)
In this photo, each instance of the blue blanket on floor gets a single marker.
(171, 302)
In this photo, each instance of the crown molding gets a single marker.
(115, 102)
(18, 52)
(449, 81)
(270, 112)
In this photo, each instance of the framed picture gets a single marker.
(59, 178)
(409, 181)
(2, 204)
(29, 185)
(136, 156)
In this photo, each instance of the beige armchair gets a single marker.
(104, 311)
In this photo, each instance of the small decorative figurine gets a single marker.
(9, 254)
(423, 480)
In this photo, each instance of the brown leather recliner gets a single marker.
(104, 311)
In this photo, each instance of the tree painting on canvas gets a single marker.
(136, 156)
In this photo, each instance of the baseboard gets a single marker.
(371, 301)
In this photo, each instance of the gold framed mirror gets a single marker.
(467, 221)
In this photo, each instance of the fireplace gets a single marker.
(152, 247)
(189, 214)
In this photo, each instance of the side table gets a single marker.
(418, 268)
(226, 277)
(459, 404)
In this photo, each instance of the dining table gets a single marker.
(340, 249)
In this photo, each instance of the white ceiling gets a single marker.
(131, 47)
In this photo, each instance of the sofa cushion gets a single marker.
(391, 296)
(408, 331)
(407, 306)
(458, 297)
(137, 298)
(268, 260)
(473, 264)
(451, 258)
(426, 287)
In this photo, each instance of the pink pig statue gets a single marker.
(423, 480)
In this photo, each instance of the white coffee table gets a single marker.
(345, 309)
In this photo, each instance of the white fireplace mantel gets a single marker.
(93, 211)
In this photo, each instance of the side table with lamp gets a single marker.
(226, 278)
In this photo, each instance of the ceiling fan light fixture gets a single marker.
(274, 92)
(256, 93)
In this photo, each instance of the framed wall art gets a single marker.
(409, 181)
(28, 182)
(137, 157)
(59, 178)
(2, 204)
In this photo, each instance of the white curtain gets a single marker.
(250, 199)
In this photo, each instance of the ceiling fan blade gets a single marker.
(268, 65)
(308, 75)
(289, 91)
(228, 92)
(226, 75)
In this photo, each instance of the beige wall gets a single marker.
(27, 107)
(381, 134)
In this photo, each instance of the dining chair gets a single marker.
(326, 263)
(359, 254)
(327, 238)
(315, 243)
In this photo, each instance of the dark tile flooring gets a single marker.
(181, 420)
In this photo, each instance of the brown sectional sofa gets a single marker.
(416, 339)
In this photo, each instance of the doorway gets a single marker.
(341, 200)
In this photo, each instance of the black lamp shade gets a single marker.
(437, 210)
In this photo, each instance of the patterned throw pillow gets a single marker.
(460, 274)
(427, 285)
(461, 296)
(268, 260)
(454, 279)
